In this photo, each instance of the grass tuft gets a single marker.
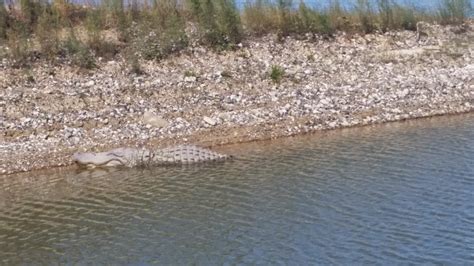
(276, 74)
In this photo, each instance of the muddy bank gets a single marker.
(211, 98)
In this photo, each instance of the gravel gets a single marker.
(348, 81)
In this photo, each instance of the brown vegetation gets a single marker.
(59, 31)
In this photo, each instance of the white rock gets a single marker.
(190, 79)
(154, 120)
(90, 83)
(209, 121)
(403, 93)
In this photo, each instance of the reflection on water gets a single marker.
(395, 193)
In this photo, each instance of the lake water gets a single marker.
(387, 194)
(425, 4)
(420, 4)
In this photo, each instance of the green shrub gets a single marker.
(18, 42)
(365, 15)
(286, 22)
(312, 21)
(78, 52)
(3, 21)
(406, 18)
(229, 22)
(276, 73)
(218, 21)
(133, 63)
(95, 25)
(160, 32)
(31, 10)
(385, 14)
(338, 16)
(47, 33)
(260, 17)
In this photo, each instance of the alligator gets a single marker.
(131, 157)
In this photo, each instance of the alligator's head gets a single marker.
(116, 157)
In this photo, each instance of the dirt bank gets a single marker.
(211, 98)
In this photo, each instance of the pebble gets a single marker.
(210, 121)
(348, 81)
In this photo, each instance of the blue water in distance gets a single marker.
(349, 4)
(425, 5)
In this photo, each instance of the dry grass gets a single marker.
(158, 30)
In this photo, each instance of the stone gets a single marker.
(154, 120)
(190, 79)
(90, 83)
(210, 121)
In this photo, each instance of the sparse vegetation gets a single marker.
(78, 52)
(218, 22)
(47, 34)
(276, 73)
(454, 11)
(134, 65)
(3, 21)
(156, 30)
(190, 73)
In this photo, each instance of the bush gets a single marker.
(312, 21)
(286, 23)
(385, 14)
(18, 43)
(95, 25)
(31, 10)
(365, 15)
(406, 18)
(276, 74)
(260, 17)
(47, 33)
(133, 63)
(3, 21)
(338, 16)
(78, 52)
(160, 33)
(230, 24)
(218, 21)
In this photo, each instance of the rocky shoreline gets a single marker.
(212, 98)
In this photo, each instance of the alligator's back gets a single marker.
(187, 154)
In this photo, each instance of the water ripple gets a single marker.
(394, 194)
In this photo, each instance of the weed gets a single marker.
(385, 14)
(161, 32)
(47, 34)
(276, 73)
(133, 63)
(312, 21)
(30, 10)
(78, 52)
(18, 42)
(190, 73)
(218, 21)
(29, 75)
(3, 20)
(260, 17)
(366, 16)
